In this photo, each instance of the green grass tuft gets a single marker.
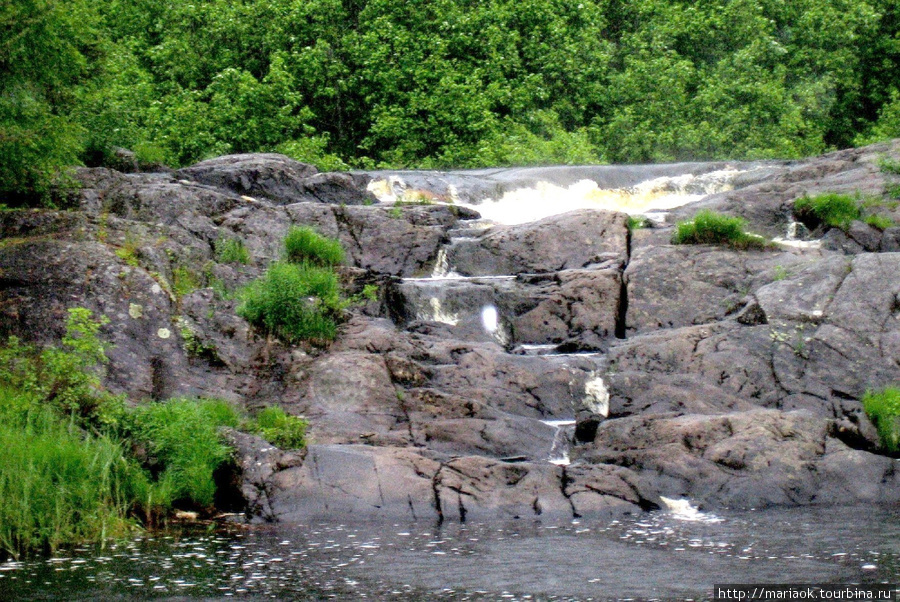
(709, 227)
(883, 408)
(58, 484)
(232, 250)
(181, 437)
(184, 281)
(638, 222)
(279, 428)
(834, 210)
(293, 302)
(889, 166)
(881, 222)
(305, 245)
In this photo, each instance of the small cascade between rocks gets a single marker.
(797, 236)
(562, 441)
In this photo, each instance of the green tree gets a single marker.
(48, 49)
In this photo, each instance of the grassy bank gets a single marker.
(78, 465)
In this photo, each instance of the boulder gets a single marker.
(671, 286)
(573, 240)
(748, 459)
(277, 178)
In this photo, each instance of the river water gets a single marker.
(660, 555)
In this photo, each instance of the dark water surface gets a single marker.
(656, 556)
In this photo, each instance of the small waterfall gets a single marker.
(562, 440)
(596, 395)
(797, 236)
(441, 265)
(437, 313)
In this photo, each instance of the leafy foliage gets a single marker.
(65, 378)
(710, 228)
(834, 210)
(883, 407)
(445, 83)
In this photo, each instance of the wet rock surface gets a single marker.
(731, 378)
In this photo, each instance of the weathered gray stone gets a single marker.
(572, 240)
(744, 460)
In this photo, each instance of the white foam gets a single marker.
(798, 244)
(596, 396)
(489, 318)
(683, 510)
(525, 205)
(558, 423)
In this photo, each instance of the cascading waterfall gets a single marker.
(468, 303)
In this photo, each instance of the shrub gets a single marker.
(182, 438)
(293, 302)
(232, 250)
(279, 428)
(305, 245)
(65, 378)
(834, 210)
(883, 408)
(708, 227)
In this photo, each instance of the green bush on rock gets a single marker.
(298, 299)
(883, 407)
(293, 302)
(305, 245)
(710, 228)
(181, 436)
(833, 210)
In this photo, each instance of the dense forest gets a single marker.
(439, 83)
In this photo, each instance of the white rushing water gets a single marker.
(527, 204)
(683, 510)
(559, 451)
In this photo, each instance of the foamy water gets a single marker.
(532, 203)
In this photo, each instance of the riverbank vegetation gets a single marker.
(370, 83)
(883, 407)
(78, 464)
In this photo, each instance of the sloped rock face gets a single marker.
(279, 179)
(765, 197)
(732, 378)
(750, 459)
(573, 240)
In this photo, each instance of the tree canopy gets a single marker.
(442, 83)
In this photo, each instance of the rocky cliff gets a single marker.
(731, 378)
